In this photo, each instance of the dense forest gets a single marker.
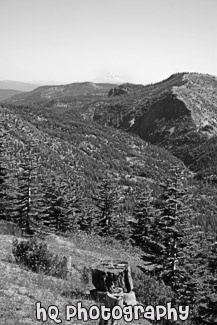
(60, 174)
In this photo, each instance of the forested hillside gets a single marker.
(163, 113)
(178, 113)
(69, 169)
(65, 144)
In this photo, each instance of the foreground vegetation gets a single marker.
(21, 288)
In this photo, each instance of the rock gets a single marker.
(117, 91)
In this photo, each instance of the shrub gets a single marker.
(35, 256)
(9, 228)
(151, 292)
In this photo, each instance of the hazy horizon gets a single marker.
(140, 41)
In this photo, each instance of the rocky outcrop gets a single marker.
(117, 91)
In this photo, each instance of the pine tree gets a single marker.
(74, 201)
(29, 210)
(206, 312)
(105, 201)
(212, 259)
(3, 181)
(120, 227)
(179, 240)
(170, 241)
(87, 217)
(64, 200)
(53, 198)
(145, 230)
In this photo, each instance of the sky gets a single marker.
(142, 41)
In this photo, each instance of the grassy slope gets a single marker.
(20, 288)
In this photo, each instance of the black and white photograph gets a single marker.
(108, 162)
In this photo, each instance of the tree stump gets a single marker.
(114, 285)
(111, 274)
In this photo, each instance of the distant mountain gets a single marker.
(17, 85)
(74, 95)
(7, 93)
(47, 83)
(109, 78)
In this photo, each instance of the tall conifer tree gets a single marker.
(3, 181)
(105, 201)
(145, 229)
(29, 210)
(170, 241)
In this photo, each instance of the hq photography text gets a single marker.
(128, 313)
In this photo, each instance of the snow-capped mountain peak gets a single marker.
(109, 78)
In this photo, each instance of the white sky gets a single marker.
(77, 40)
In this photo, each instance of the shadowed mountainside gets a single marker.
(179, 114)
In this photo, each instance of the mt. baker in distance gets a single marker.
(110, 77)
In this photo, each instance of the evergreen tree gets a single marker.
(53, 199)
(110, 220)
(212, 260)
(86, 221)
(105, 201)
(170, 241)
(207, 304)
(74, 200)
(64, 200)
(179, 238)
(3, 181)
(145, 230)
(121, 229)
(207, 310)
(29, 210)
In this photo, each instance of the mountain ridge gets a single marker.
(17, 85)
(7, 93)
(178, 113)
(62, 95)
